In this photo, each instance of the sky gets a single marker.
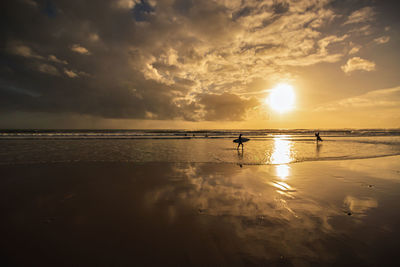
(198, 64)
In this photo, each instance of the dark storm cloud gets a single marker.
(183, 6)
(226, 106)
(50, 9)
(147, 59)
(97, 44)
(245, 11)
(142, 10)
(111, 87)
(280, 7)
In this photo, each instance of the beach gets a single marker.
(322, 213)
(330, 212)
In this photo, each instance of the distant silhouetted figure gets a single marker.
(318, 137)
(240, 141)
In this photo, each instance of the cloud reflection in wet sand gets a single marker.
(360, 206)
(282, 171)
(267, 213)
(299, 211)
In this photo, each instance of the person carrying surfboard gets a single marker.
(318, 137)
(240, 141)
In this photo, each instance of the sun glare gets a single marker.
(281, 98)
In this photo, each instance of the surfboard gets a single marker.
(243, 140)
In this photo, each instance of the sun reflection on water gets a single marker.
(282, 151)
(282, 171)
(281, 155)
(282, 186)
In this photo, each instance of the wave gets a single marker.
(187, 134)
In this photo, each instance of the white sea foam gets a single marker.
(160, 134)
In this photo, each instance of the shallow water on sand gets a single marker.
(274, 149)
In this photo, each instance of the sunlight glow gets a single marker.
(281, 98)
(282, 171)
(281, 155)
(282, 151)
(281, 185)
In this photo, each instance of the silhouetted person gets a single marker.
(318, 137)
(240, 141)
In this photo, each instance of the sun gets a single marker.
(281, 98)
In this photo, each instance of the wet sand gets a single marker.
(336, 213)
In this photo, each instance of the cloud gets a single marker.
(142, 10)
(71, 73)
(94, 37)
(360, 31)
(357, 63)
(125, 4)
(365, 14)
(80, 49)
(30, 2)
(26, 51)
(23, 50)
(165, 60)
(48, 69)
(382, 40)
(225, 106)
(53, 58)
(354, 49)
(75, 74)
(280, 7)
(382, 98)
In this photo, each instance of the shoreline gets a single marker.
(185, 162)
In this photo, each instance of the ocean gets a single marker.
(266, 147)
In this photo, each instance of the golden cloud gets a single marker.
(357, 63)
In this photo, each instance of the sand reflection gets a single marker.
(260, 207)
(240, 194)
(282, 186)
(282, 171)
(360, 206)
